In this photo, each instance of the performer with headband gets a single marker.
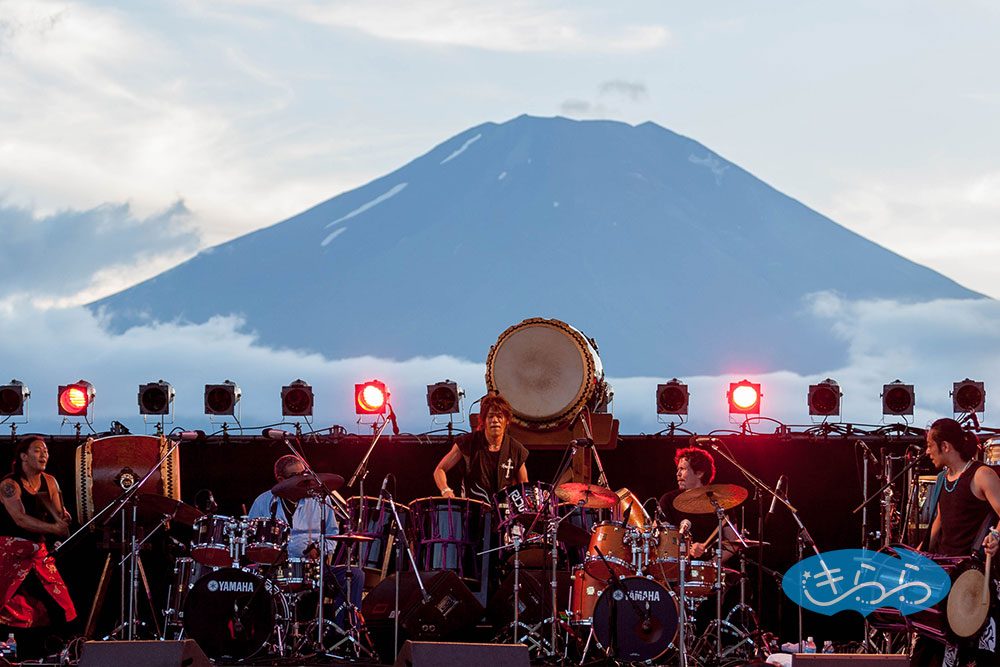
(493, 459)
(969, 497)
(32, 592)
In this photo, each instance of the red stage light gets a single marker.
(744, 398)
(75, 399)
(370, 398)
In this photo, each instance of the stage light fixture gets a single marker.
(370, 398)
(221, 399)
(672, 398)
(898, 398)
(13, 398)
(297, 399)
(75, 399)
(444, 398)
(744, 398)
(824, 398)
(968, 396)
(155, 398)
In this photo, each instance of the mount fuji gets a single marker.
(675, 260)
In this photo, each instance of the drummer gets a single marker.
(304, 519)
(493, 459)
(695, 469)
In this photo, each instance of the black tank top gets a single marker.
(961, 514)
(33, 507)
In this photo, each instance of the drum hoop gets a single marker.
(584, 393)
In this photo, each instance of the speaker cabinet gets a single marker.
(451, 608)
(441, 654)
(848, 660)
(185, 653)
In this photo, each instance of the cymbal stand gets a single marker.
(682, 548)
(401, 544)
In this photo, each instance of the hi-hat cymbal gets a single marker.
(303, 486)
(351, 537)
(154, 503)
(699, 499)
(569, 534)
(591, 495)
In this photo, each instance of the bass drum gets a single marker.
(549, 371)
(639, 618)
(233, 613)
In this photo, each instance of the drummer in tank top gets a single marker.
(493, 459)
(970, 493)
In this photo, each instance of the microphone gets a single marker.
(274, 507)
(685, 526)
(975, 419)
(378, 505)
(276, 434)
(661, 516)
(583, 442)
(211, 505)
(702, 440)
(190, 435)
(779, 488)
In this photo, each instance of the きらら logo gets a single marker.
(865, 581)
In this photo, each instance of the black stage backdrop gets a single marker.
(824, 485)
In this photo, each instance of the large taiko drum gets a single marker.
(107, 466)
(548, 371)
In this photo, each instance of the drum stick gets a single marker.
(985, 599)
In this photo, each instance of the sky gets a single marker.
(133, 135)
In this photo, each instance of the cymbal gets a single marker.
(303, 486)
(698, 499)
(351, 537)
(154, 503)
(592, 496)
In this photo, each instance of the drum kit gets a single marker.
(629, 581)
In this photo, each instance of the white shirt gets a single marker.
(306, 521)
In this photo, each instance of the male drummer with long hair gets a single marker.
(968, 500)
(32, 592)
(493, 459)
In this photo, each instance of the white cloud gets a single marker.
(514, 26)
(929, 345)
(949, 225)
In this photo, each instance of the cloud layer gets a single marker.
(930, 345)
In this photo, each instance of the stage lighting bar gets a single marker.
(672, 398)
(898, 398)
(444, 398)
(155, 398)
(76, 399)
(13, 398)
(824, 398)
(744, 398)
(297, 399)
(370, 398)
(968, 396)
(221, 399)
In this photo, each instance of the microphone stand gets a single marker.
(401, 543)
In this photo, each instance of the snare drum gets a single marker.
(266, 540)
(699, 578)
(612, 540)
(297, 574)
(217, 540)
(450, 533)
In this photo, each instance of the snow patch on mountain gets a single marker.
(462, 149)
(396, 189)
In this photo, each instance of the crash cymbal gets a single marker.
(698, 500)
(154, 503)
(302, 486)
(592, 496)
